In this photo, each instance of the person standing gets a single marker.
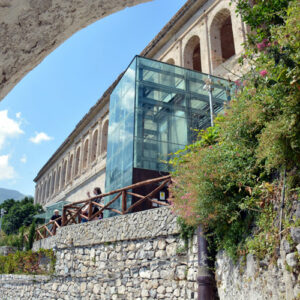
(57, 218)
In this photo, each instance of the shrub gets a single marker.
(26, 262)
(18, 214)
(222, 180)
(31, 236)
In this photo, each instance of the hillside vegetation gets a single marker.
(231, 180)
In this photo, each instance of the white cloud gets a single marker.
(18, 115)
(8, 127)
(6, 171)
(23, 159)
(40, 137)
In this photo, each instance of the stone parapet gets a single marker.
(142, 225)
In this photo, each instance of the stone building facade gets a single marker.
(205, 36)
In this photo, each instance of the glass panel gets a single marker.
(154, 111)
(171, 102)
(119, 162)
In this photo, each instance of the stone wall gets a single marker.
(258, 280)
(5, 250)
(135, 256)
(254, 279)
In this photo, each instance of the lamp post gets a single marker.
(209, 88)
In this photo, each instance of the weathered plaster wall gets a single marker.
(128, 257)
(31, 29)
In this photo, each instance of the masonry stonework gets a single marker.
(135, 256)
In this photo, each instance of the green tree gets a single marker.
(19, 213)
(262, 15)
(31, 236)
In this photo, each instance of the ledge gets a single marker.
(141, 225)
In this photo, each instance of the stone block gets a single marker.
(171, 249)
(285, 246)
(292, 259)
(181, 272)
(161, 289)
(161, 244)
(295, 234)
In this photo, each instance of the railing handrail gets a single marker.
(129, 187)
(69, 215)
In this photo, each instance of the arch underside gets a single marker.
(32, 29)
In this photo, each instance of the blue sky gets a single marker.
(41, 111)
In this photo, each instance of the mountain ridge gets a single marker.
(10, 194)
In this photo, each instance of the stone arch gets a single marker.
(104, 138)
(70, 168)
(57, 187)
(77, 162)
(94, 145)
(34, 28)
(43, 192)
(192, 54)
(221, 38)
(85, 154)
(48, 187)
(37, 195)
(170, 61)
(64, 174)
(40, 193)
(53, 183)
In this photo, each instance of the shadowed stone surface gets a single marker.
(31, 29)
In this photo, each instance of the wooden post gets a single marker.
(64, 217)
(124, 202)
(90, 210)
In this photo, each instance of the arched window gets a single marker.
(221, 36)
(77, 161)
(85, 154)
(58, 179)
(64, 174)
(43, 192)
(53, 183)
(170, 61)
(40, 193)
(70, 168)
(104, 137)
(192, 55)
(48, 187)
(94, 145)
(37, 195)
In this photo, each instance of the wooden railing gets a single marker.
(47, 230)
(75, 212)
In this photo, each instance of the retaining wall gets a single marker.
(135, 256)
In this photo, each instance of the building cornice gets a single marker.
(179, 19)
